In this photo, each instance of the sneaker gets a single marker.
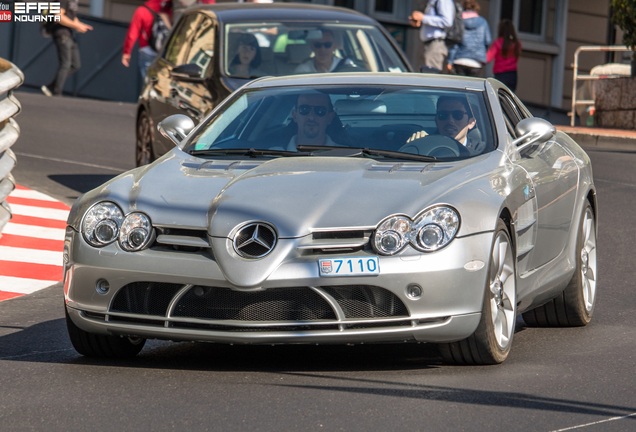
(46, 91)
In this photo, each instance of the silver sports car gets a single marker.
(341, 208)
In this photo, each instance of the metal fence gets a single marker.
(10, 78)
(102, 76)
(588, 100)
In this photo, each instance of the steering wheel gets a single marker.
(347, 65)
(438, 146)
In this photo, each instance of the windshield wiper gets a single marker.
(357, 151)
(249, 152)
(398, 155)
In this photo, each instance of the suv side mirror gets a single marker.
(190, 72)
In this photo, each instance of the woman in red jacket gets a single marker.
(140, 29)
(505, 52)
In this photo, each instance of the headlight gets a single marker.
(136, 232)
(435, 228)
(431, 230)
(392, 235)
(101, 223)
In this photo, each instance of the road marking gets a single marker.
(32, 243)
(595, 423)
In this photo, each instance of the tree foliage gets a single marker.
(624, 16)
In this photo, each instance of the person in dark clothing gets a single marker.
(68, 54)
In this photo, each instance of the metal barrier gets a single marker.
(587, 77)
(10, 78)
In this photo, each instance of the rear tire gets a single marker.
(491, 342)
(575, 305)
(102, 346)
(144, 153)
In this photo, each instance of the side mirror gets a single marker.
(176, 128)
(533, 130)
(190, 72)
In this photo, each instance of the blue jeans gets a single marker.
(146, 57)
(68, 57)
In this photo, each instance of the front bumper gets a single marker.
(160, 294)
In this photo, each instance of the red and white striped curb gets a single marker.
(32, 243)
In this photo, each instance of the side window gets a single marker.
(202, 47)
(511, 113)
(178, 50)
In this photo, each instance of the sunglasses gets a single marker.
(304, 110)
(318, 45)
(457, 115)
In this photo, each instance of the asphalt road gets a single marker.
(555, 379)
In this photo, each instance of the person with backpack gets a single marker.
(68, 54)
(469, 57)
(434, 20)
(150, 23)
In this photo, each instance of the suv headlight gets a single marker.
(136, 232)
(100, 225)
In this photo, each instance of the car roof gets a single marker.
(377, 78)
(242, 12)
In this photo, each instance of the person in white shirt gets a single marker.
(324, 59)
(438, 15)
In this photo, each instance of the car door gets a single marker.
(554, 175)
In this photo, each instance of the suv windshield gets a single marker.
(380, 121)
(287, 48)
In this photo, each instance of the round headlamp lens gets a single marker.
(437, 227)
(392, 235)
(135, 232)
(431, 236)
(101, 223)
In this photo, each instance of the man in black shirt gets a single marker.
(68, 54)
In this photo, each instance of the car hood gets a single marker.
(296, 195)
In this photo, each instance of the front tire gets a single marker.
(491, 342)
(574, 306)
(144, 153)
(102, 346)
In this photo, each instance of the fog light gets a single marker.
(102, 286)
(414, 291)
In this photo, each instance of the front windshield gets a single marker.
(288, 48)
(384, 121)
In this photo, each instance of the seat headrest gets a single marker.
(297, 53)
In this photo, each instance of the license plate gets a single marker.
(354, 266)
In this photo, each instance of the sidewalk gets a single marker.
(592, 138)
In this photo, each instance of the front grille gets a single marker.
(285, 304)
(361, 301)
(280, 309)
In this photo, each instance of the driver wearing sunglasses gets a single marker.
(454, 119)
(324, 58)
(313, 114)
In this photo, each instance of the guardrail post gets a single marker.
(10, 78)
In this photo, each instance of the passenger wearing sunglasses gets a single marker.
(313, 114)
(454, 118)
(324, 59)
